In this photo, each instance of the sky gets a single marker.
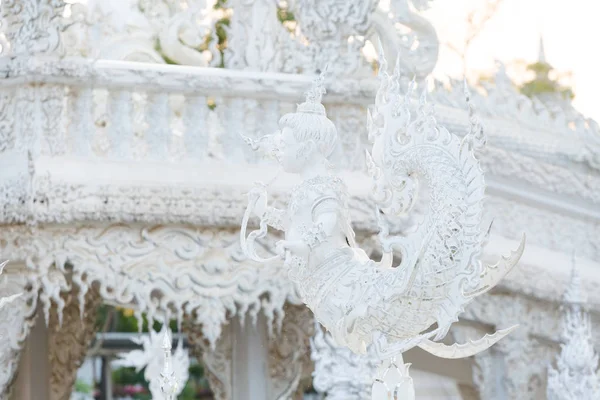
(570, 31)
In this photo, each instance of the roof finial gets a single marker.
(542, 52)
(575, 293)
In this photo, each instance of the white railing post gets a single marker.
(196, 135)
(159, 132)
(120, 126)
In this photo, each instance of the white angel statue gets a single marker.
(363, 302)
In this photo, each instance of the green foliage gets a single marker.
(128, 376)
(221, 26)
(82, 387)
(542, 84)
(123, 320)
(284, 15)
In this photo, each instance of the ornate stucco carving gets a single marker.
(17, 320)
(173, 269)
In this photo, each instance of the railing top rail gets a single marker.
(128, 75)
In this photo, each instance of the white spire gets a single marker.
(575, 376)
(542, 51)
(168, 381)
(575, 293)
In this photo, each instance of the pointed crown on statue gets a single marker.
(310, 121)
(312, 104)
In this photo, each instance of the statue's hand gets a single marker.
(280, 248)
(296, 247)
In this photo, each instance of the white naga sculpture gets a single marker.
(364, 302)
(575, 376)
(163, 382)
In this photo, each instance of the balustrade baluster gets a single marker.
(120, 124)
(158, 133)
(272, 115)
(234, 125)
(81, 124)
(196, 127)
(216, 129)
(252, 126)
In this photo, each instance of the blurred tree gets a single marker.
(543, 84)
(476, 21)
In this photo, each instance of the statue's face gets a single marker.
(290, 155)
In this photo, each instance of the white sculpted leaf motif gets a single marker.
(360, 301)
(7, 300)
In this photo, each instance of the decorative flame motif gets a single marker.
(169, 384)
(366, 303)
(575, 376)
(165, 373)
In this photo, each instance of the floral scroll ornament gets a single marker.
(368, 304)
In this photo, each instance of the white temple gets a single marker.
(123, 181)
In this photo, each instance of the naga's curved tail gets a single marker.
(439, 272)
(468, 349)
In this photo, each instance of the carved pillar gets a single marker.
(340, 373)
(289, 354)
(524, 361)
(17, 318)
(68, 343)
(34, 370)
(250, 359)
(216, 360)
(487, 376)
(287, 361)
(487, 366)
(237, 365)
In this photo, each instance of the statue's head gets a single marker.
(307, 135)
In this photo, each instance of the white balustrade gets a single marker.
(118, 110)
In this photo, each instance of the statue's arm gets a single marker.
(275, 218)
(272, 216)
(317, 231)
